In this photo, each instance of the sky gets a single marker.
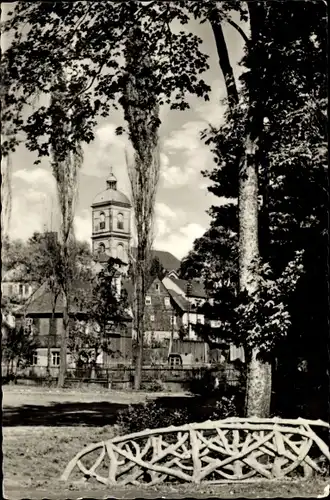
(182, 197)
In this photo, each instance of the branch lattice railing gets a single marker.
(234, 449)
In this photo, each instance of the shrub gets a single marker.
(150, 416)
(224, 408)
(153, 386)
(154, 414)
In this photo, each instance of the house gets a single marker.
(186, 315)
(38, 316)
(160, 318)
(187, 297)
(15, 285)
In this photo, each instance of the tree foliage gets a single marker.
(89, 40)
(293, 194)
(18, 347)
(102, 309)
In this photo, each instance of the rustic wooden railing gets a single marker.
(234, 449)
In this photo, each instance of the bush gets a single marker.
(153, 386)
(156, 414)
(150, 416)
(224, 408)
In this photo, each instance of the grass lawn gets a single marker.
(44, 428)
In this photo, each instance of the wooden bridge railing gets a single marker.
(234, 449)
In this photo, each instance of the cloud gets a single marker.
(32, 210)
(36, 177)
(212, 111)
(191, 156)
(34, 205)
(83, 226)
(180, 242)
(163, 210)
(108, 150)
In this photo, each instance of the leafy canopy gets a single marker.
(87, 42)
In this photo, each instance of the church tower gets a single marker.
(111, 215)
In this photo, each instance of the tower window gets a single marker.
(101, 248)
(102, 220)
(148, 300)
(120, 221)
(120, 252)
(167, 302)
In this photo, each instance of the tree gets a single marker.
(290, 156)
(39, 262)
(141, 113)
(18, 347)
(102, 309)
(156, 270)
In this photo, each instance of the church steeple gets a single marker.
(111, 181)
(111, 211)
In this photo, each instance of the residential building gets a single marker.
(15, 285)
(38, 318)
(160, 315)
(188, 297)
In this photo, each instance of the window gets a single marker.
(55, 358)
(10, 289)
(34, 358)
(120, 252)
(102, 220)
(167, 302)
(28, 322)
(152, 317)
(173, 320)
(101, 248)
(157, 287)
(20, 289)
(148, 300)
(120, 221)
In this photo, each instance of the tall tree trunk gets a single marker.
(64, 337)
(139, 315)
(259, 372)
(258, 391)
(51, 335)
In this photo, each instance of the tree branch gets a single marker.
(239, 29)
(224, 60)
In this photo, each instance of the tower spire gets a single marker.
(111, 180)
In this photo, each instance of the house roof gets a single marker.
(197, 288)
(179, 300)
(15, 275)
(41, 301)
(167, 260)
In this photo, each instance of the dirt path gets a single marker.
(310, 489)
